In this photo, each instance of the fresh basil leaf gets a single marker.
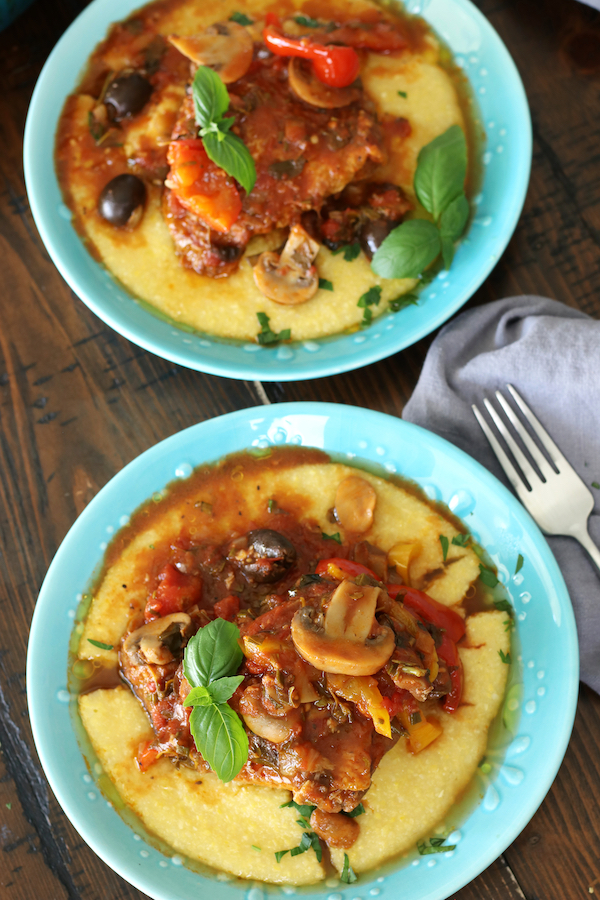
(211, 99)
(520, 562)
(447, 251)
(231, 154)
(441, 171)
(444, 542)
(304, 845)
(100, 644)
(221, 690)
(348, 875)
(240, 18)
(350, 251)
(454, 217)
(220, 737)
(325, 285)
(488, 576)
(198, 696)
(407, 250)
(212, 653)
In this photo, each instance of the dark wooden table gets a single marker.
(78, 402)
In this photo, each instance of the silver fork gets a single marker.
(559, 501)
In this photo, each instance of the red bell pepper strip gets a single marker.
(448, 652)
(431, 610)
(347, 566)
(334, 65)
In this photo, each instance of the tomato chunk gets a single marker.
(201, 186)
(227, 608)
(176, 592)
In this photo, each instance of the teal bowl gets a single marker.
(544, 670)
(505, 160)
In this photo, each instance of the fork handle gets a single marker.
(581, 534)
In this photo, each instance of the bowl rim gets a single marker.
(360, 422)
(238, 359)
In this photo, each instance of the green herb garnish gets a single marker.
(100, 645)
(332, 537)
(503, 606)
(402, 94)
(211, 102)
(596, 485)
(505, 657)
(309, 578)
(435, 845)
(520, 562)
(272, 506)
(357, 811)
(402, 302)
(240, 18)
(348, 875)
(306, 21)
(325, 285)
(350, 251)
(489, 577)
(309, 839)
(439, 185)
(266, 335)
(305, 809)
(372, 297)
(461, 540)
(211, 657)
(444, 542)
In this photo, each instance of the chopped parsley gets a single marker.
(325, 285)
(596, 485)
(402, 94)
(372, 297)
(348, 875)
(306, 21)
(435, 845)
(402, 302)
(444, 542)
(309, 839)
(357, 811)
(240, 18)
(519, 565)
(100, 644)
(266, 335)
(488, 576)
(505, 657)
(461, 540)
(503, 606)
(350, 251)
(272, 506)
(332, 537)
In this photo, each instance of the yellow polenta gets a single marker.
(409, 85)
(192, 811)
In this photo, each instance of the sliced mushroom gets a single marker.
(289, 279)
(225, 46)
(348, 640)
(159, 641)
(276, 729)
(355, 501)
(335, 829)
(307, 86)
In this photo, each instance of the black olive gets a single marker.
(120, 198)
(373, 233)
(126, 96)
(270, 555)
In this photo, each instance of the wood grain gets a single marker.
(78, 402)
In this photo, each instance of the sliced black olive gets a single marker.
(270, 555)
(373, 233)
(126, 96)
(120, 198)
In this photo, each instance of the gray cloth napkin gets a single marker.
(551, 354)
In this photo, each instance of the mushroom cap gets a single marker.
(225, 46)
(289, 279)
(307, 87)
(355, 501)
(149, 641)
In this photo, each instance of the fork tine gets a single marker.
(560, 461)
(537, 456)
(511, 473)
(526, 468)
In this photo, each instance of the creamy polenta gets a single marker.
(202, 278)
(374, 724)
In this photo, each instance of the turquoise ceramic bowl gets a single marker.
(546, 667)
(506, 160)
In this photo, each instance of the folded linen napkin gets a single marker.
(551, 354)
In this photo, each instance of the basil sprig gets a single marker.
(439, 185)
(211, 102)
(211, 657)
